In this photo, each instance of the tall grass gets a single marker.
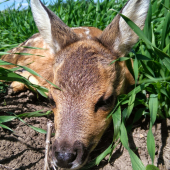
(151, 55)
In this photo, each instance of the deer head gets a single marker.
(89, 83)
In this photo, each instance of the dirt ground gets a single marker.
(24, 149)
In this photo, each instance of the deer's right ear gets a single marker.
(54, 32)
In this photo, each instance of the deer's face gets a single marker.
(89, 86)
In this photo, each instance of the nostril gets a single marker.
(65, 158)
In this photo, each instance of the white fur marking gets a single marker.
(77, 28)
(36, 39)
(81, 35)
(116, 43)
(87, 31)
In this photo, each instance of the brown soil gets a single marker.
(24, 148)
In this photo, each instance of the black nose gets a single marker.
(67, 156)
(65, 159)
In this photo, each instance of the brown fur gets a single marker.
(78, 61)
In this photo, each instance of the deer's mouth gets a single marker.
(67, 157)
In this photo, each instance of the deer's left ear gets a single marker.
(118, 36)
(54, 32)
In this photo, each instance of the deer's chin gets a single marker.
(75, 165)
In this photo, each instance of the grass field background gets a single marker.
(151, 55)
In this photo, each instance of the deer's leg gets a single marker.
(18, 86)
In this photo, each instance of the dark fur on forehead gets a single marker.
(81, 66)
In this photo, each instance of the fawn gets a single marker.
(78, 61)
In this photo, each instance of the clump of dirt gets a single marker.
(24, 148)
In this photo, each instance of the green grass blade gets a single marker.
(34, 114)
(3, 53)
(132, 98)
(5, 127)
(147, 68)
(138, 114)
(147, 28)
(120, 59)
(135, 90)
(29, 70)
(142, 57)
(97, 160)
(136, 69)
(165, 29)
(123, 136)
(42, 92)
(28, 54)
(38, 129)
(33, 127)
(116, 122)
(130, 105)
(136, 162)
(103, 155)
(34, 47)
(151, 167)
(153, 107)
(151, 144)
(4, 119)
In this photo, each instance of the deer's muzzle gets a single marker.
(70, 157)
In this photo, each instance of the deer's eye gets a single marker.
(104, 104)
(52, 102)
